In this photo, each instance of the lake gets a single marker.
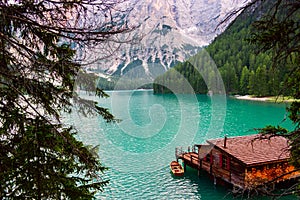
(138, 150)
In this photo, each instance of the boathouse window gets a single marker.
(224, 162)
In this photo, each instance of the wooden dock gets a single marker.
(241, 162)
(191, 158)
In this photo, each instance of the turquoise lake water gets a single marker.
(138, 150)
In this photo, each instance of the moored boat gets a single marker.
(176, 168)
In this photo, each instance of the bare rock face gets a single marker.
(169, 31)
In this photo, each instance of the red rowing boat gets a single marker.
(176, 168)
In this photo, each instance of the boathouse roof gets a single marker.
(254, 151)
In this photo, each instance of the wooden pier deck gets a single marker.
(192, 160)
(218, 175)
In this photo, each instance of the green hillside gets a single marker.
(243, 68)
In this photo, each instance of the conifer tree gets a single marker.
(40, 157)
(244, 82)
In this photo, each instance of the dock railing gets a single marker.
(179, 151)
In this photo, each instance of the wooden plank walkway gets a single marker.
(191, 159)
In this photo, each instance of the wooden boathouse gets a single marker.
(244, 162)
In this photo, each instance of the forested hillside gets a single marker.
(244, 69)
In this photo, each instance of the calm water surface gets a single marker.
(139, 149)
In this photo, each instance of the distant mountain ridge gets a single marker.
(172, 30)
(244, 70)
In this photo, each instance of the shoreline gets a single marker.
(280, 99)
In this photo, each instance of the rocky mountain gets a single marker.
(170, 31)
(237, 63)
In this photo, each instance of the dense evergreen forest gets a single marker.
(243, 68)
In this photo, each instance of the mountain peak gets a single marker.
(172, 31)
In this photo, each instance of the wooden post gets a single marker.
(200, 167)
(228, 167)
(211, 162)
(200, 163)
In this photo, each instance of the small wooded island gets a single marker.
(244, 162)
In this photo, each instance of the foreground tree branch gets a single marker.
(42, 47)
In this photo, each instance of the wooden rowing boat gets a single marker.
(176, 168)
